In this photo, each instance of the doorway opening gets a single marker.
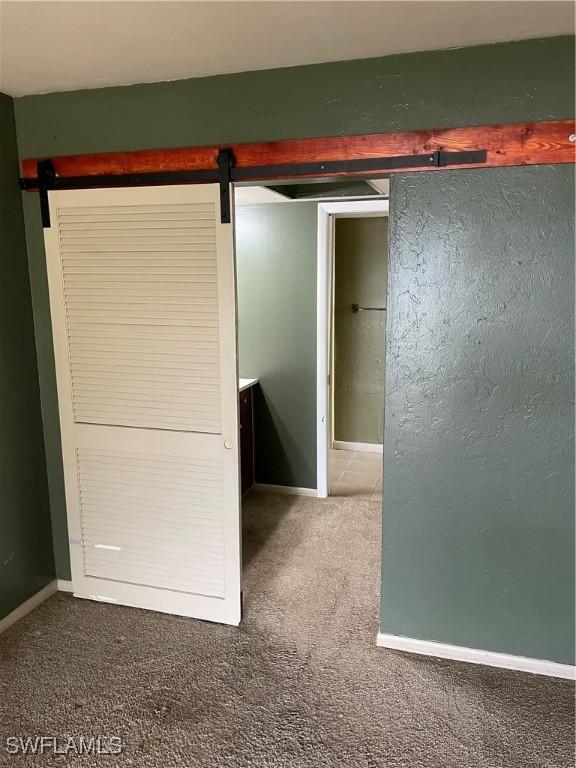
(351, 325)
(288, 533)
(286, 246)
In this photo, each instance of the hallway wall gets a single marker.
(276, 272)
(360, 277)
(26, 557)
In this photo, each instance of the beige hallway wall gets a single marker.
(361, 274)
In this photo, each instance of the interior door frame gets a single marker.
(327, 215)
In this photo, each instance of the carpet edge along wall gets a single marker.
(514, 82)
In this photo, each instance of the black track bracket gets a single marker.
(225, 165)
(46, 176)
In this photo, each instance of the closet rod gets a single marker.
(358, 308)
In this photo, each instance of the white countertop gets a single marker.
(246, 383)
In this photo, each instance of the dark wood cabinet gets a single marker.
(246, 440)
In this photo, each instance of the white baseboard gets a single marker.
(27, 606)
(474, 656)
(288, 490)
(64, 585)
(343, 445)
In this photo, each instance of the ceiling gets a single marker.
(58, 46)
(306, 190)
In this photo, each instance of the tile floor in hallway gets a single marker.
(355, 474)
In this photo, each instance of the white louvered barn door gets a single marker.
(143, 306)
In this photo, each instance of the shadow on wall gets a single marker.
(278, 457)
(276, 276)
(26, 555)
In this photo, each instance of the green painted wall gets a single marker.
(360, 277)
(26, 557)
(276, 252)
(507, 82)
(529, 80)
(478, 530)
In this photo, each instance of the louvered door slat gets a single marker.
(143, 311)
(144, 307)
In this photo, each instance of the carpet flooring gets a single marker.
(300, 684)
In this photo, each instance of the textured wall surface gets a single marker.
(26, 557)
(478, 528)
(361, 275)
(466, 86)
(531, 80)
(276, 252)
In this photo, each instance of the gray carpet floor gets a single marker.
(299, 684)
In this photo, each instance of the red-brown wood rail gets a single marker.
(506, 145)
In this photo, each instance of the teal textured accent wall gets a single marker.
(276, 268)
(530, 80)
(478, 528)
(26, 557)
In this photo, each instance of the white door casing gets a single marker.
(143, 307)
(327, 213)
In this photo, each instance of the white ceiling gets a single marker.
(58, 46)
(257, 196)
